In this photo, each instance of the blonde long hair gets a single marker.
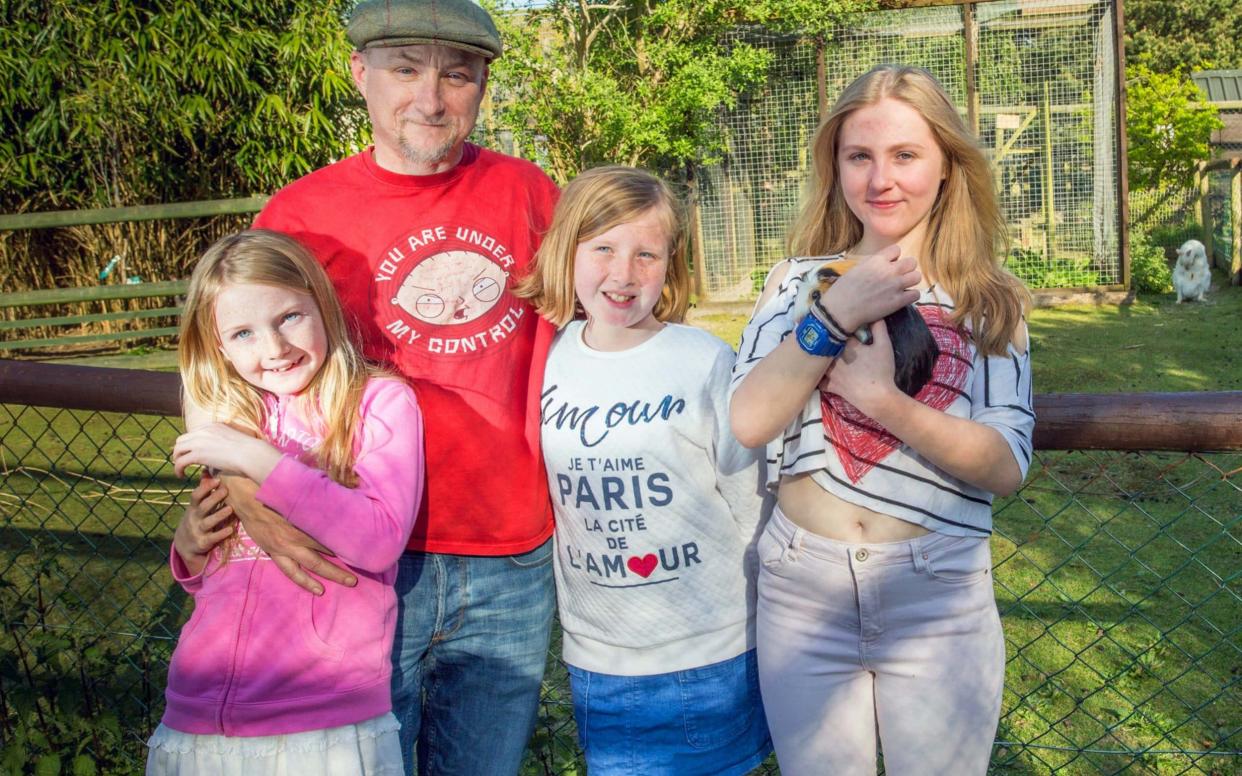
(330, 403)
(966, 232)
(594, 202)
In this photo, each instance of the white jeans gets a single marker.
(898, 639)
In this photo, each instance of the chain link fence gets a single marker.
(1044, 108)
(1117, 575)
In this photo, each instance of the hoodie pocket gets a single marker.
(316, 618)
(199, 663)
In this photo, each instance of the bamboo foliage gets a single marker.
(144, 101)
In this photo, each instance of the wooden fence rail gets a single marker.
(1184, 422)
(114, 215)
(93, 293)
(59, 296)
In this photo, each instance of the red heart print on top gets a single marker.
(860, 442)
(642, 566)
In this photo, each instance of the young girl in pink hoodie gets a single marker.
(268, 678)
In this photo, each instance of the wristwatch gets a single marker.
(815, 338)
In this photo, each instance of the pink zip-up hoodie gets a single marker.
(261, 656)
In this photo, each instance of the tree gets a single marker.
(631, 81)
(140, 101)
(638, 82)
(1168, 125)
(1186, 35)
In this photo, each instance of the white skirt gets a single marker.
(369, 748)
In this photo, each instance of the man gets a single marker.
(423, 236)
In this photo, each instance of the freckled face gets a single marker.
(273, 336)
(890, 170)
(618, 278)
(451, 288)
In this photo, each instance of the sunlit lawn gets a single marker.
(1150, 344)
(1117, 574)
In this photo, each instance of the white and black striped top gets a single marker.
(854, 458)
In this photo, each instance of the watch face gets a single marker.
(809, 338)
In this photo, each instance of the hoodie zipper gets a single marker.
(237, 639)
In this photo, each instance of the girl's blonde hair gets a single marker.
(330, 402)
(594, 202)
(966, 232)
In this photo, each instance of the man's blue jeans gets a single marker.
(468, 658)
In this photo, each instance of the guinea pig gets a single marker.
(914, 348)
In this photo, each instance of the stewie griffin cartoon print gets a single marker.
(451, 288)
(442, 292)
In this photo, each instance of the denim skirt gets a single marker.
(705, 721)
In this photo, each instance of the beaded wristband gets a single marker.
(826, 318)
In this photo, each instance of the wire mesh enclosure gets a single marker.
(1035, 79)
(1223, 212)
(1171, 206)
(1116, 574)
(1174, 213)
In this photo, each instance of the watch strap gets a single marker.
(816, 339)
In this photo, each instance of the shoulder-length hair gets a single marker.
(594, 202)
(966, 232)
(330, 402)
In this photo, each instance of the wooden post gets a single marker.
(1235, 220)
(998, 178)
(698, 256)
(1203, 182)
(970, 33)
(821, 76)
(1049, 201)
(730, 214)
(1123, 143)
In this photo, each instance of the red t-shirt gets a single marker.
(424, 266)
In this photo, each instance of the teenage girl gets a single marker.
(266, 677)
(876, 611)
(657, 505)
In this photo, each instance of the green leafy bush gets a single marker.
(757, 276)
(1149, 270)
(1169, 124)
(68, 705)
(1036, 271)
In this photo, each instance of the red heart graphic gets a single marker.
(860, 442)
(642, 566)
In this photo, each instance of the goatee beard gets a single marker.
(421, 157)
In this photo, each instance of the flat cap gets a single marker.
(460, 24)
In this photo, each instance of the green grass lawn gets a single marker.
(1117, 574)
(1150, 344)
